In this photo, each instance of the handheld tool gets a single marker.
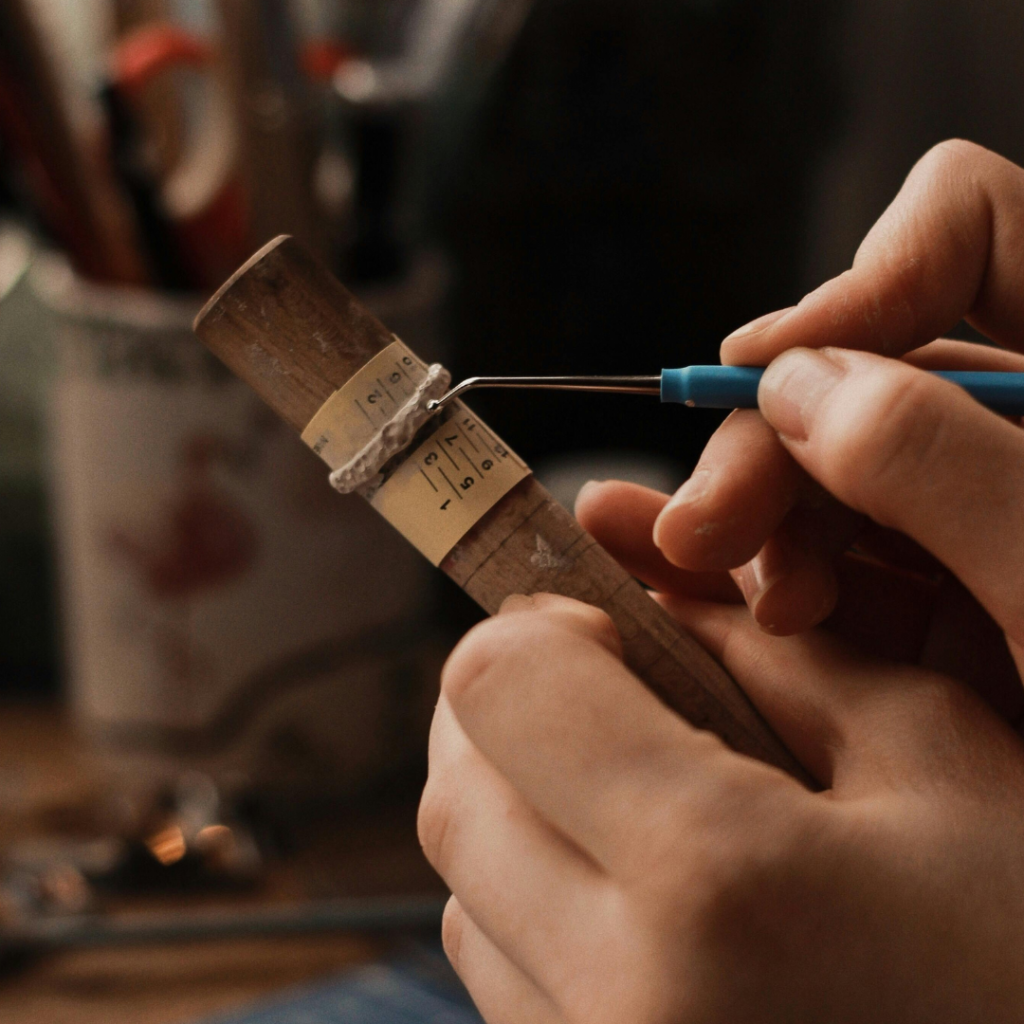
(734, 387)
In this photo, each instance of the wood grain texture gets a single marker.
(296, 335)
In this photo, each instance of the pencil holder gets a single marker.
(224, 609)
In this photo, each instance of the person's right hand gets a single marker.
(853, 443)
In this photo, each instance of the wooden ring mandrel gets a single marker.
(287, 327)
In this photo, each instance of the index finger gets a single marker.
(948, 248)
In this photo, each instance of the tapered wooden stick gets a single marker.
(288, 328)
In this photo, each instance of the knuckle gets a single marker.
(733, 876)
(743, 894)
(897, 432)
(950, 157)
(453, 927)
(476, 655)
(576, 617)
(434, 826)
(497, 649)
(599, 625)
(717, 904)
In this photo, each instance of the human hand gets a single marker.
(611, 864)
(894, 447)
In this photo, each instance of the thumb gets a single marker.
(915, 453)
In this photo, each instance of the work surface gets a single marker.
(43, 766)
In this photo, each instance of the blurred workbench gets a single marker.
(43, 766)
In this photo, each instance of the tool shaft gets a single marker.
(650, 385)
(735, 387)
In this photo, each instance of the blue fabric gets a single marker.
(419, 988)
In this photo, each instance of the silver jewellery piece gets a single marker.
(362, 472)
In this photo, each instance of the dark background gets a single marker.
(637, 188)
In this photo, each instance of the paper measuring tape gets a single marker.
(456, 471)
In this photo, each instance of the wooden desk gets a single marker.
(43, 765)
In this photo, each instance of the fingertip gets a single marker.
(791, 585)
(798, 601)
(676, 519)
(574, 616)
(693, 536)
(744, 346)
(589, 495)
(795, 386)
(452, 929)
(621, 518)
(516, 603)
(705, 529)
(743, 487)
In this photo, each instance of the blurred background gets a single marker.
(213, 700)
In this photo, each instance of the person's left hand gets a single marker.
(610, 863)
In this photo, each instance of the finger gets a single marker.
(578, 617)
(621, 518)
(947, 248)
(791, 585)
(791, 680)
(581, 738)
(521, 880)
(748, 505)
(854, 721)
(915, 453)
(736, 498)
(502, 993)
(946, 354)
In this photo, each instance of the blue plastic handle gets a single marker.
(735, 387)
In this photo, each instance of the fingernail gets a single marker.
(588, 486)
(762, 323)
(689, 494)
(754, 581)
(794, 387)
(693, 490)
(516, 603)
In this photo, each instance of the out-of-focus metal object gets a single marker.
(355, 915)
(609, 385)
(28, 655)
(441, 34)
(404, 113)
(182, 837)
(23, 359)
(274, 116)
